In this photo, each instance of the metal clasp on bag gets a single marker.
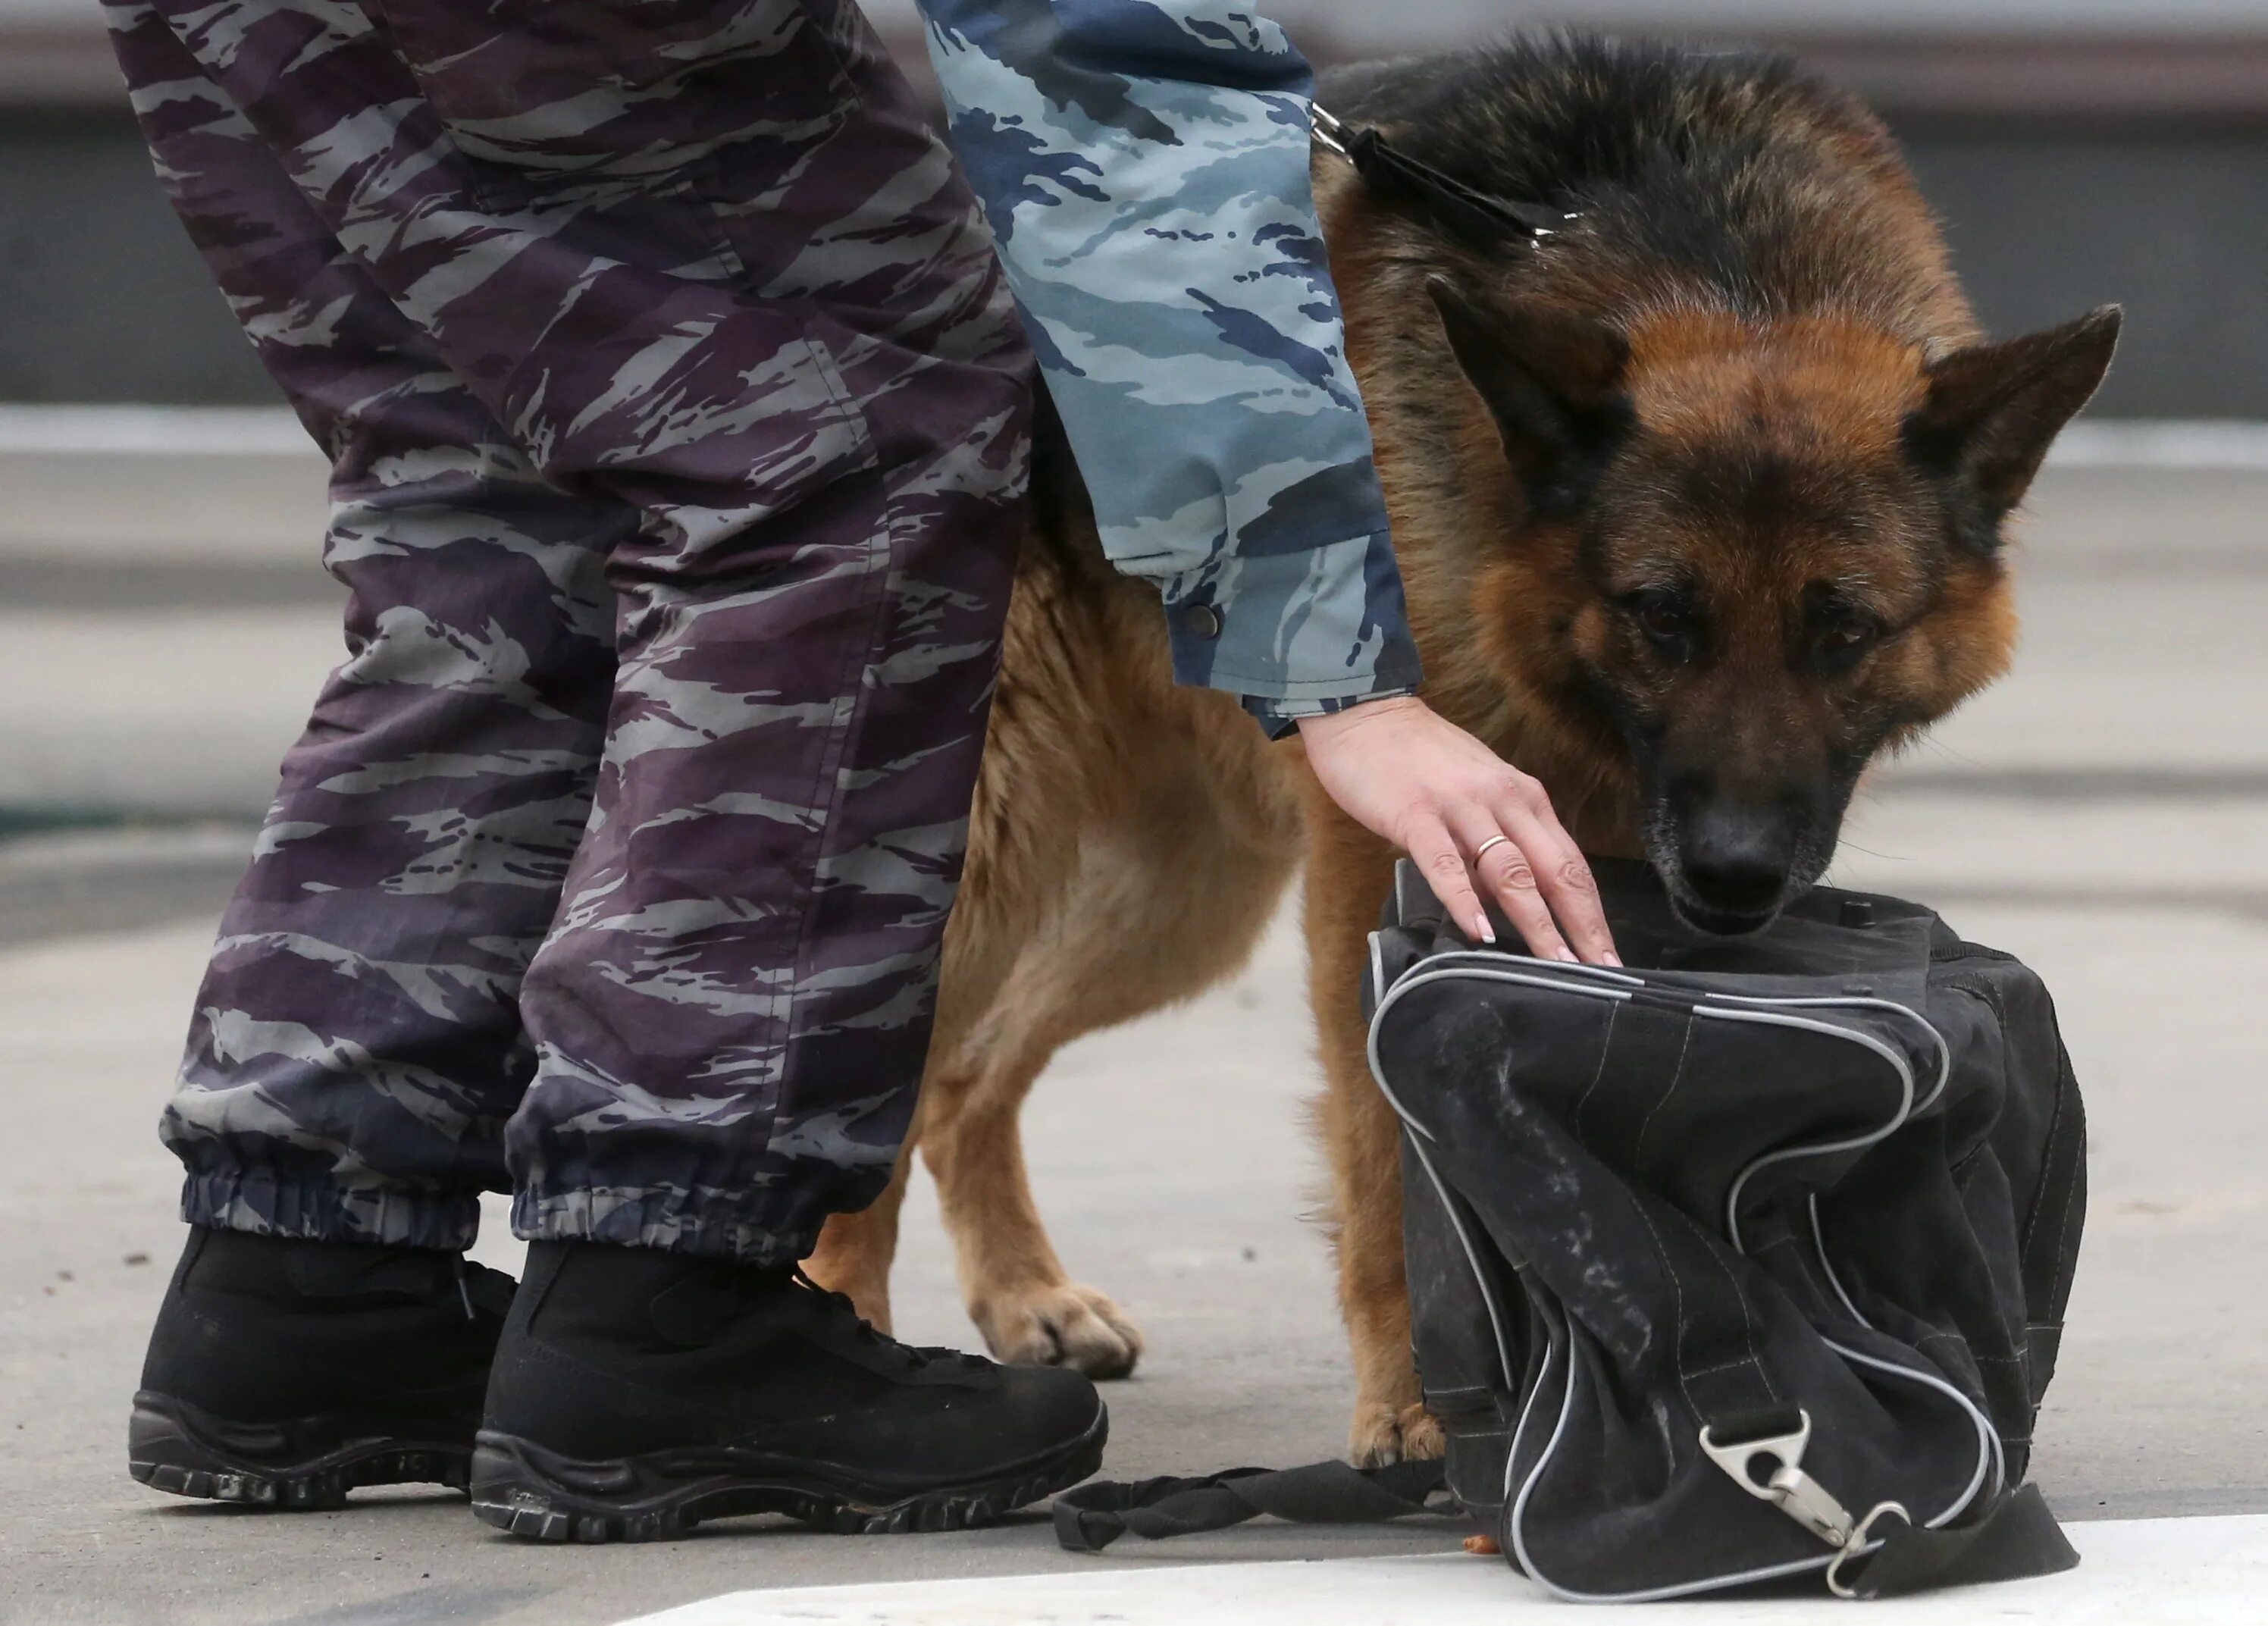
(1797, 1495)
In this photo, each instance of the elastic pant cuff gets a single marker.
(326, 1213)
(662, 1220)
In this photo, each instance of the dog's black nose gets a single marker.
(1736, 859)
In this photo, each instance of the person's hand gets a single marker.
(1470, 819)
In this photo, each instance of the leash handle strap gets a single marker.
(1092, 1517)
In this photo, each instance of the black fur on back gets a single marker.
(1736, 177)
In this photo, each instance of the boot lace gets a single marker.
(917, 1357)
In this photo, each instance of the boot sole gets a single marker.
(175, 1448)
(521, 1487)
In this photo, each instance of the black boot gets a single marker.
(286, 1373)
(637, 1393)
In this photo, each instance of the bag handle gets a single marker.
(1092, 1517)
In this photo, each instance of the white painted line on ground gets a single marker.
(87, 430)
(33, 430)
(2134, 1572)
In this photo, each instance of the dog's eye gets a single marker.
(1843, 642)
(1664, 617)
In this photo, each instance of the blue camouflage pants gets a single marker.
(678, 417)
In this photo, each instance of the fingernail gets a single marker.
(1482, 930)
(1568, 954)
(1613, 959)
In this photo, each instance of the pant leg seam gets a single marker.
(828, 778)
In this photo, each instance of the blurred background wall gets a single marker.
(2080, 150)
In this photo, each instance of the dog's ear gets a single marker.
(1991, 412)
(1551, 377)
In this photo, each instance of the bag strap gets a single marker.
(1094, 1516)
(2017, 1538)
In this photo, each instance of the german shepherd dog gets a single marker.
(1698, 504)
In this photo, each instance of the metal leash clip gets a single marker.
(1861, 1540)
(1800, 1497)
(1331, 131)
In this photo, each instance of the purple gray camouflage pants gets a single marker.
(678, 417)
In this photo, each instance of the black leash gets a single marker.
(1094, 1516)
(1388, 167)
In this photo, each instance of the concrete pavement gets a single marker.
(2100, 814)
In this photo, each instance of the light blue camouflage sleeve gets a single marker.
(1144, 164)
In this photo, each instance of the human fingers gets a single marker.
(1561, 874)
(1501, 865)
(1437, 856)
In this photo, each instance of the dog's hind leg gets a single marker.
(1018, 1292)
(1168, 898)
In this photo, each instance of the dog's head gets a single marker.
(1752, 556)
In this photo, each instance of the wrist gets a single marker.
(1376, 709)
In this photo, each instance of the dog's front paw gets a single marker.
(1060, 1326)
(1383, 1434)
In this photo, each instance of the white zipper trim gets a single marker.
(1498, 956)
(1865, 1002)
(1817, 1149)
(1472, 1258)
(1819, 1246)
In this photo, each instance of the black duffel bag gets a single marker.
(1746, 1261)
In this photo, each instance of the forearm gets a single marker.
(1144, 164)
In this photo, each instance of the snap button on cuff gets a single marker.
(1202, 619)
